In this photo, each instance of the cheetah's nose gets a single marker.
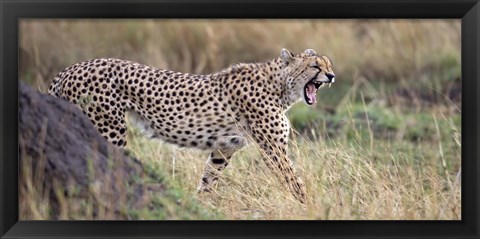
(331, 77)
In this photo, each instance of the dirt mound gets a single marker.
(63, 158)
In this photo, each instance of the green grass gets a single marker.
(174, 203)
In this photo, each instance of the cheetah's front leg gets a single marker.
(274, 141)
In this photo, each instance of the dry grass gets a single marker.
(344, 181)
(76, 202)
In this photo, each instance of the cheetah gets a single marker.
(218, 112)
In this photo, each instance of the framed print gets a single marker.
(239, 119)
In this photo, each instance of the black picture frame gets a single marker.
(13, 10)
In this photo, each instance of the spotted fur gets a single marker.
(215, 112)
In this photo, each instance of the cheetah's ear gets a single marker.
(310, 52)
(286, 55)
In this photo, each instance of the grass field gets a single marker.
(384, 142)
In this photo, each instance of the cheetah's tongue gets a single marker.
(311, 93)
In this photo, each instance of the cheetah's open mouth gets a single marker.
(310, 91)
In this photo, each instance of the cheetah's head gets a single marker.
(305, 73)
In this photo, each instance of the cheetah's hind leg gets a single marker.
(218, 161)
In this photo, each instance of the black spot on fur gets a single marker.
(218, 160)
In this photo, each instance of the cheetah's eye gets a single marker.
(315, 66)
